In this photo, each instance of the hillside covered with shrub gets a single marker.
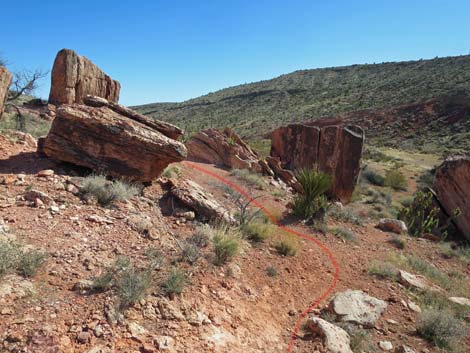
(255, 108)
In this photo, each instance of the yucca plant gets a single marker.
(314, 184)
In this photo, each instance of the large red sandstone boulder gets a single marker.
(222, 148)
(336, 150)
(74, 77)
(111, 143)
(5, 81)
(452, 187)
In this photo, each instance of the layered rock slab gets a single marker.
(5, 81)
(101, 139)
(452, 187)
(74, 77)
(336, 150)
(223, 148)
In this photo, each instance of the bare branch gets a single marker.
(25, 82)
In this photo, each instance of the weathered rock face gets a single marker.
(165, 128)
(452, 187)
(222, 148)
(357, 307)
(110, 143)
(335, 339)
(336, 150)
(193, 196)
(74, 77)
(5, 81)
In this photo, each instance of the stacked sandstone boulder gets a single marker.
(93, 131)
(5, 81)
(452, 188)
(333, 149)
(74, 77)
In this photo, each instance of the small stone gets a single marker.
(163, 342)
(98, 331)
(38, 203)
(54, 209)
(392, 322)
(404, 349)
(335, 339)
(386, 345)
(414, 307)
(45, 173)
(83, 337)
(392, 225)
(460, 300)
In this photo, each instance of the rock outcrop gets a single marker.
(5, 81)
(336, 150)
(357, 307)
(74, 77)
(191, 195)
(111, 143)
(222, 148)
(452, 187)
(335, 339)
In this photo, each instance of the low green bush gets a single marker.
(396, 180)
(106, 192)
(312, 200)
(174, 283)
(226, 244)
(374, 178)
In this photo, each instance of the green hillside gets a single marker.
(254, 109)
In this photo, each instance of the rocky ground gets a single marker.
(251, 304)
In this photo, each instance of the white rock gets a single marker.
(460, 300)
(404, 349)
(415, 281)
(163, 342)
(414, 307)
(386, 345)
(392, 225)
(357, 307)
(335, 339)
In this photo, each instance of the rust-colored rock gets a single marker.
(223, 149)
(5, 81)
(193, 196)
(285, 175)
(452, 187)
(110, 143)
(74, 77)
(336, 150)
(165, 128)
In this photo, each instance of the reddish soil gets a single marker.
(248, 310)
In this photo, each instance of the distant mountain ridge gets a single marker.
(256, 108)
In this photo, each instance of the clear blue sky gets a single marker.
(175, 50)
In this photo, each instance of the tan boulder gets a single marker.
(222, 148)
(336, 150)
(5, 81)
(74, 77)
(110, 143)
(452, 187)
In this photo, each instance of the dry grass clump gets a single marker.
(106, 192)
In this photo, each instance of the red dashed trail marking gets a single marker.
(322, 247)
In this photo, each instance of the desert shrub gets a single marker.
(271, 271)
(201, 236)
(257, 231)
(287, 245)
(30, 124)
(131, 286)
(312, 199)
(29, 262)
(320, 227)
(384, 270)
(226, 244)
(421, 216)
(190, 252)
(174, 283)
(107, 192)
(9, 256)
(14, 259)
(462, 253)
(155, 257)
(396, 180)
(441, 328)
(172, 171)
(345, 234)
(249, 177)
(374, 178)
(398, 242)
(360, 339)
(345, 215)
